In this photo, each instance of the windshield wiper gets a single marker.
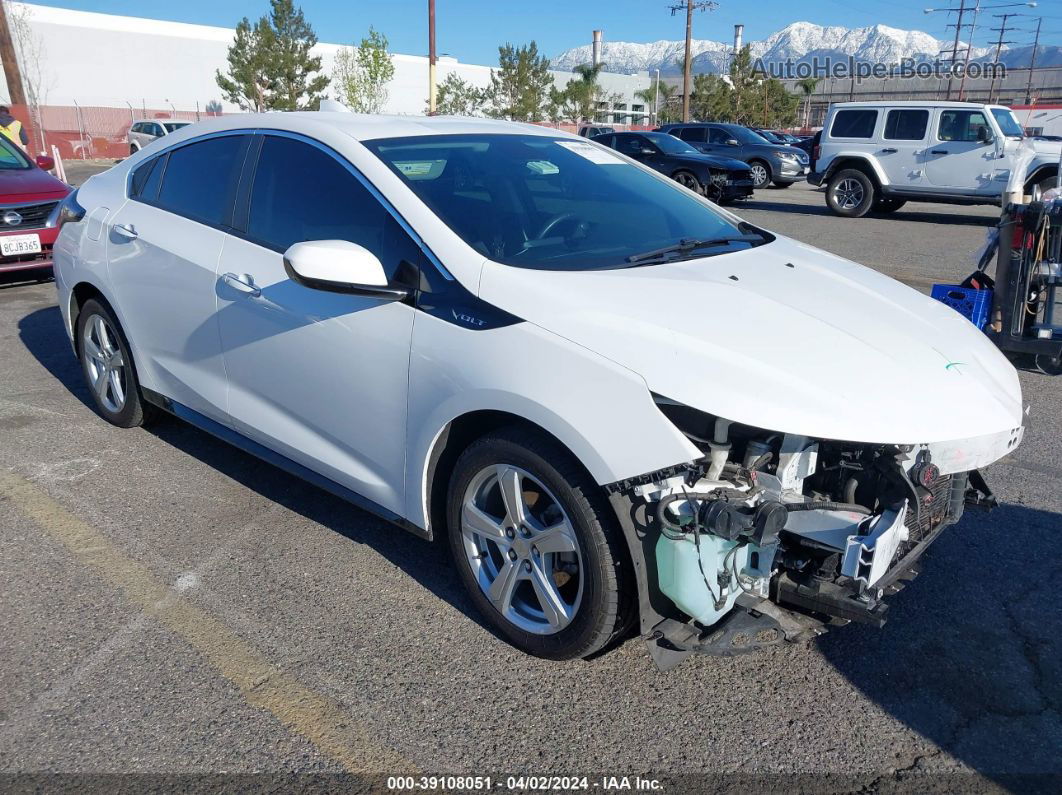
(688, 244)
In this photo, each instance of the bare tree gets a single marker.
(29, 49)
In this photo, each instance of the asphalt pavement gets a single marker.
(171, 606)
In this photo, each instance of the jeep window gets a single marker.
(961, 125)
(854, 124)
(906, 125)
(1008, 125)
(535, 201)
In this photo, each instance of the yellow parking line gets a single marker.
(261, 683)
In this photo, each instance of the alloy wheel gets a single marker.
(849, 194)
(687, 180)
(759, 175)
(105, 364)
(521, 547)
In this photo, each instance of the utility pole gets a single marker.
(1002, 29)
(656, 101)
(689, 6)
(969, 48)
(1032, 62)
(431, 57)
(10, 62)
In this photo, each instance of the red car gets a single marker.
(29, 207)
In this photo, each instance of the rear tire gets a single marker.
(108, 368)
(565, 602)
(1049, 365)
(850, 193)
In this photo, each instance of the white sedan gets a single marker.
(621, 404)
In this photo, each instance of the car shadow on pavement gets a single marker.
(919, 216)
(971, 656)
(426, 562)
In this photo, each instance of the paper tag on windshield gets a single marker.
(592, 153)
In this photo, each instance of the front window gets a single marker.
(538, 202)
(967, 126)
(670, 145)
(11, 157)
(744, 135)
(1008, 125)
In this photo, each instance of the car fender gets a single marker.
(602, 412)
(844, 155)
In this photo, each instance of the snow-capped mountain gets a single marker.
(879, 44)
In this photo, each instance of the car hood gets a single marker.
(1053, 148)
(715, 161)
(783, 337)
(28, 181)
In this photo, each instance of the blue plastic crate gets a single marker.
(974, 305)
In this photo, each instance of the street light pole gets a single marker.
(1032, 62)
(689, 6)
(656, 101)
(431, 57)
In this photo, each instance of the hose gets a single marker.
(825, 505)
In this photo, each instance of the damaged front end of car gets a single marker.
(774, 536)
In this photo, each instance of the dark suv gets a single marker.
(783, 165)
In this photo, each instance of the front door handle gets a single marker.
(938, 151)
(126, 231)
(243, 283)
(889, 151)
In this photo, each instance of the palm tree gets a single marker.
(586, 88)
(808, 86)
(657, 96)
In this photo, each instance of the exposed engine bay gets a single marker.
(776, 536)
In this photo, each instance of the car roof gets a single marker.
(914, 103)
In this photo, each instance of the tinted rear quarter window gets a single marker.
(854, 124)
(146, 178)
(693, 134)
(906, 125)
(200, 179)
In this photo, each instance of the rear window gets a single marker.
(854, 124)
(906, 125)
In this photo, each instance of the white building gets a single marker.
(92, 59)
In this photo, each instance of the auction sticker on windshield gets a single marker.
(14, 245)
(592, 153)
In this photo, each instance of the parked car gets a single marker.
(721, 179)
(620, 404)
(590, 130)
(876, 156)
(144, 131)
(783, 165)
(29, 209)
(776, 137)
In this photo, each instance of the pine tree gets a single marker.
(458, 97)
(520, 88)
(270, 66)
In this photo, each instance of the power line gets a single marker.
(689, 6)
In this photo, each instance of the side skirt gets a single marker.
(260, 451)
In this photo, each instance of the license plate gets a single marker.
(17, 245)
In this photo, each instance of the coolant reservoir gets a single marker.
(681, 580)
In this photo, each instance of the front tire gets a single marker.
(688, 180)
(761, 174)
(107, 366)
(850, 193)
(537, 546)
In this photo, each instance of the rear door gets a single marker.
(163, 246)
(903, 141)
(319, 377)
(957, 160)
(697, 137)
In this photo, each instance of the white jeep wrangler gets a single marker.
(875, 156)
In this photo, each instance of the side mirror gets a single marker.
(339, 266)
(732, 142)
(984, 135)
(44, 162)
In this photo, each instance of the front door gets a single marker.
(319, 377)
(163, 246)
(959, 159)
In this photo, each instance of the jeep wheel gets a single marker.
(1037, 190)
(538, 547)
(850, 193)
(761, 174)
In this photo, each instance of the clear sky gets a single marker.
(471, 30)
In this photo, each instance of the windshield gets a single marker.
(11, 157)
(175, 125)
(1008, 125)
(670, 145)
(770, 136)
(745, 135)
(559, 204)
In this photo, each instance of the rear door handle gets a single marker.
(126, 231)
(889, 151)
(243, 283)
(938, 151)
